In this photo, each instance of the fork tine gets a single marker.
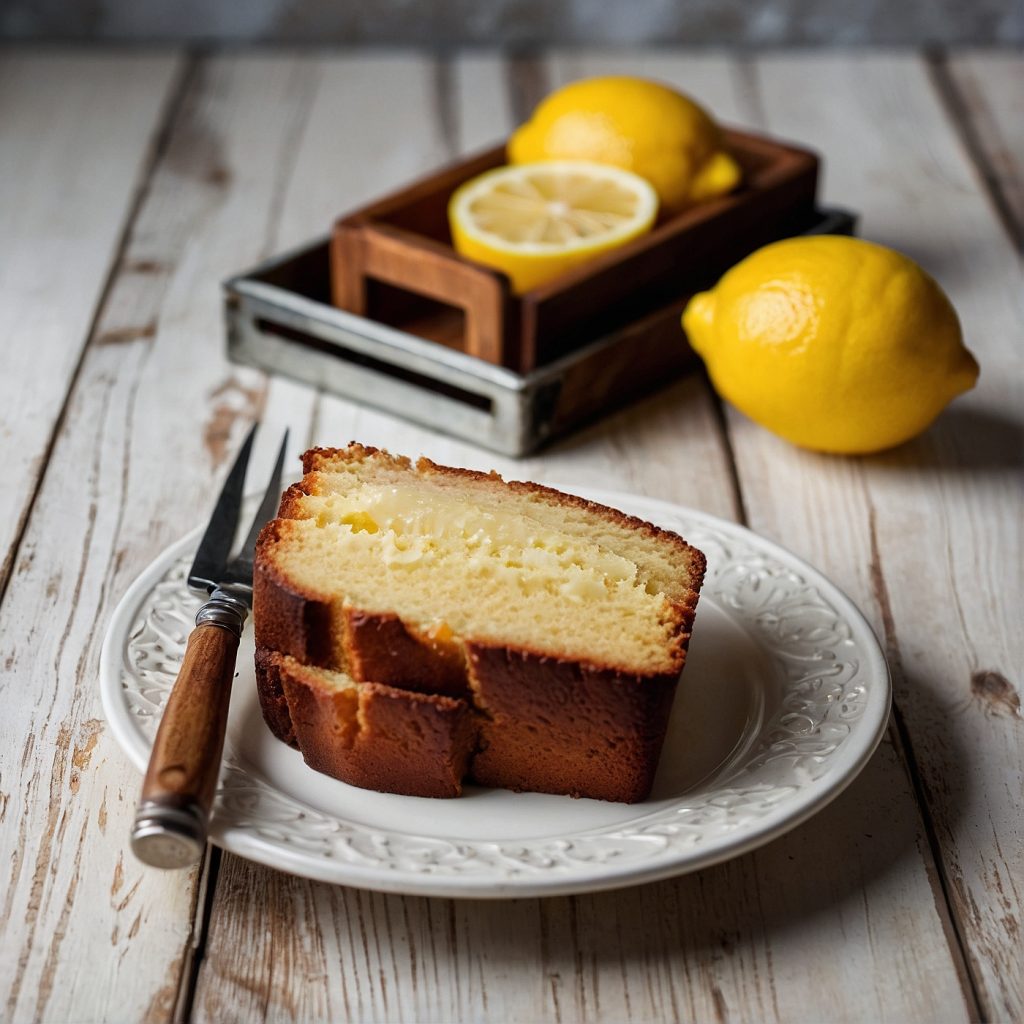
(215, 547)
(268, 505)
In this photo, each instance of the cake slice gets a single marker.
(367, 734)
(564, 624)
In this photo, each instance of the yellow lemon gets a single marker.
(536, 221)
(636, 124)
(833, 343)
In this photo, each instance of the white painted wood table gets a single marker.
(130, 185)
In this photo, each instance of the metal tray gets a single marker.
(279, 318)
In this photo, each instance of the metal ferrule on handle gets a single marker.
(168, 836)
(226, 609)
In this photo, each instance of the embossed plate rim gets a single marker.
(360, 856)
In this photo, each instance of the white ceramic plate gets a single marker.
(784, 698)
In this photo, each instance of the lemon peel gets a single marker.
(639, 125)
(834, 343)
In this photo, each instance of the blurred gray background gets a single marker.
(520, 23)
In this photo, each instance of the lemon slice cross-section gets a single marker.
(536, 221)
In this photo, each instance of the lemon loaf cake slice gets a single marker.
(562, 623)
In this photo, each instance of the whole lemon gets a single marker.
(833, 343)
(639, 125)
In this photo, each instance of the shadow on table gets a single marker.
(964, 439)
(679, 403)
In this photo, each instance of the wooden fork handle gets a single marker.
(172, 817)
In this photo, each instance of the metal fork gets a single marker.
(172, 818)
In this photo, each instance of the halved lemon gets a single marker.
(536, 221)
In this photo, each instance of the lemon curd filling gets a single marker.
(423, 530)
(491, 573)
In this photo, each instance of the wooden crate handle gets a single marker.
(365, 252)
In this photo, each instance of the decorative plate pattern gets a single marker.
(819, 706)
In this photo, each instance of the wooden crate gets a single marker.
(393, 261)
(280, 318)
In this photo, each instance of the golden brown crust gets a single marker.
(290, 619)
(314, 459)
(554, 726)
(381, 648)
(273, 702)
(291, 507)
(547, 725)
(374, 736)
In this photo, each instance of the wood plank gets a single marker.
(926, 538)
(753, 939)
(910, 996)
(155, 414)
(77, 132)
(985, 89)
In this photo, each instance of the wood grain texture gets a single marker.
(185, 763)
(76, 134)
(986, 97)
(927, 538)
(150, 426)
(745, 941)
(402, 241)
(373, 253)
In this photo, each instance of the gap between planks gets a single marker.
(957, 103)
(165, 122)
(196, 952)
(904, 744)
